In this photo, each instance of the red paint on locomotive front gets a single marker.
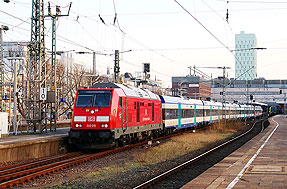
(103, 125)
(119, 116)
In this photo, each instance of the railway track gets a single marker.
(154, 182)
(18, 174)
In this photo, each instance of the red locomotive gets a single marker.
(108, 114)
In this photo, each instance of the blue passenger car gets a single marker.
(179, 113)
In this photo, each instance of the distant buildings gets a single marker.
(246, 56)
(194, 87)
(271, 92)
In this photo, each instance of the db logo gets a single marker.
(91, 118)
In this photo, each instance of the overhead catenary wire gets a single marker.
(129, 36)
(209, 32)
(231, 51)
(14, 17)
(261, 2)
(116, 19)
(76, 44)
(83, 46)
(77, 21)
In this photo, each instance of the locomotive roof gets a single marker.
(130, 91)
(104, 86)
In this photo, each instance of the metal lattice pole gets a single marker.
(43, 81)
(1, 72)
(32, 108)
(53, 86)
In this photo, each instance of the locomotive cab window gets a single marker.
(94, 98)
(84, 101)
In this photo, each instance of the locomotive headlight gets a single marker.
(104, 125)
(80, 125)
(92, 111)
(77, 125)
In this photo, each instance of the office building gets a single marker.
(246, 56)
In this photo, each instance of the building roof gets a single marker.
(188, 79)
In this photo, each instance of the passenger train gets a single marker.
(108, 114)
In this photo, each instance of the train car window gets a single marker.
(173, 114)
(189, 113)
(198, 113)
(135, 105)
(142, 104)
(121, 102)
(207, 112)
(170, 114)
(179, 113)
(186, 113)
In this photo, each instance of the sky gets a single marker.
(170, 35)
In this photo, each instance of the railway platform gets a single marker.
(260, 163)
(29, 146)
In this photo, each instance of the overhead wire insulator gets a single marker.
(102, 19)
(227, 14)
(58, 11)
(115, 18)
(49, 8)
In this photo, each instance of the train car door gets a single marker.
(123, 107)
(218, 113)
(179, 115)
(194, 115)
(210, 113)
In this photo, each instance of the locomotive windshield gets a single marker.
(94, 98)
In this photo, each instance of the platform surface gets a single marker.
(260, 163)
(25, 137)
